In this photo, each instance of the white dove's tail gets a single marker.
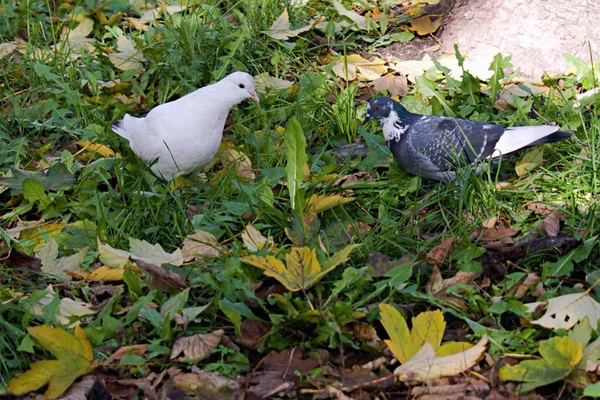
(516, 138)
(120, 126)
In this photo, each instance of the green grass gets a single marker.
(50, 100)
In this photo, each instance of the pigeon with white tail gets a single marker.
(183, 135)
(433, 147)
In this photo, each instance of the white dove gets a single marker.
(183, 135)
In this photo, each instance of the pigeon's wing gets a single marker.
(449, 141)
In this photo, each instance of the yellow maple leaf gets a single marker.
(319, 203)
(74, 355)
(301, 269)
(427, 327)
(426, 24)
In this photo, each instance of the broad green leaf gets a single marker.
(560, 355)
(565, 311)
(295, 146)
(530, 161)
(175, 303)
(58, 177)
(74, 355)
(592, 390)
(564, 265)
(35, 192)
(319, 203)
(338, 257)
(429, 90)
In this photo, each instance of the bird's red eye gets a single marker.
(241, 85)
(377, 107)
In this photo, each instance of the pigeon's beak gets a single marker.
(367, 118)
(254, 97)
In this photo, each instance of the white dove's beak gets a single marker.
(254, 97)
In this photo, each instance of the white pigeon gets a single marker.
(183, 135)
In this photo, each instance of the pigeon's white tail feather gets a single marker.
(516, 138)
(122, 127)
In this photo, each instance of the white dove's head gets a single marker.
(241, 85)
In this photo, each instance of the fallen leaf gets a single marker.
(427, 328)
(153, 13)
(438, 254)
(56, 267)
(426, 24)
(530, 161)
(265, 81)
(106, 273)
(302, 269)
(139, 249)
(565, 311)
(201, 244)
(68, 308)
(319, 203)
(160, 278)
(206, 385)
(530, 280)
(359, 67)
(7, 48)
(136, 349)
(74, 358)
(280, 29)
(539, 208)
(425, 365)
(359, 21)
(90, 151)
(560, 355)
(233, 158)
(550, 226)
(77, 38)
(254, 333)
(393, 85)
(127, 57)
(196, 347)
(254, 240)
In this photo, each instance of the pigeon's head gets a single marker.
(241, 86)
(380, 108)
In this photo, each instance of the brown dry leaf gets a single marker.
(160, 278)
(497, 238)
(196, 347)
(254, 240)
(356, 177)
(439, 286)
(379, 263)
(137, 23)
(253, 333)
(490, 223)
(539, 208)
(530, 280)
(394, 85)
(288, 361)
(359, 67)
(233, 158)
(136, 349)
(201, 244)
(426, 24)
(550, 226)
(424, 365)
(438, 254)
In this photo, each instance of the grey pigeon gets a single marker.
(183, 135)
(433, 147)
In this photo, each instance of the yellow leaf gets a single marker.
(232, 158)
(301, 270)
(427, 327)
(35, 237)
(74, 355)
(425, 25)
(359, 67)
(425, 365)
(106, 273)
(319, 203)
(531, 160)
(90, 151)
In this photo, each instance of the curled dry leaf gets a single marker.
(530, 280)
(438, 254)
(550, 226)
(136, 349)
(196, 347)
